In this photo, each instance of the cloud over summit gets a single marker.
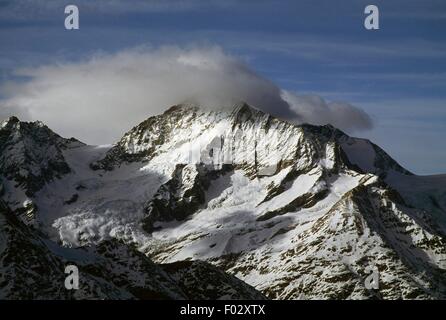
(98, 99)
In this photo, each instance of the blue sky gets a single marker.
(396, 74)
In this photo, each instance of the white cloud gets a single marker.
(316, 110)
(97, 100)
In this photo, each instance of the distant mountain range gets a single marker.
(203, 204)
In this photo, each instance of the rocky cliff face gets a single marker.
(296, 211)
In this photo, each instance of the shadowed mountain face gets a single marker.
(295, 211)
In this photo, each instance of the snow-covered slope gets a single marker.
(297, 211)
(32, 267)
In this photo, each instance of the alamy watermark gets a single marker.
(235, 148)
(371, 282)
(371, 22)
(72, 20)
(72, 280)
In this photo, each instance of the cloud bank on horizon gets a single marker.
(98, 99)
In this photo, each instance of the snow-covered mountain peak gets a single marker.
(11, 121)
(243, 112)
(296, 210)
(243, 136)
(31, 155)
(14, 128)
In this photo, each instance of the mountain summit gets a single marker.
(296, 211)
